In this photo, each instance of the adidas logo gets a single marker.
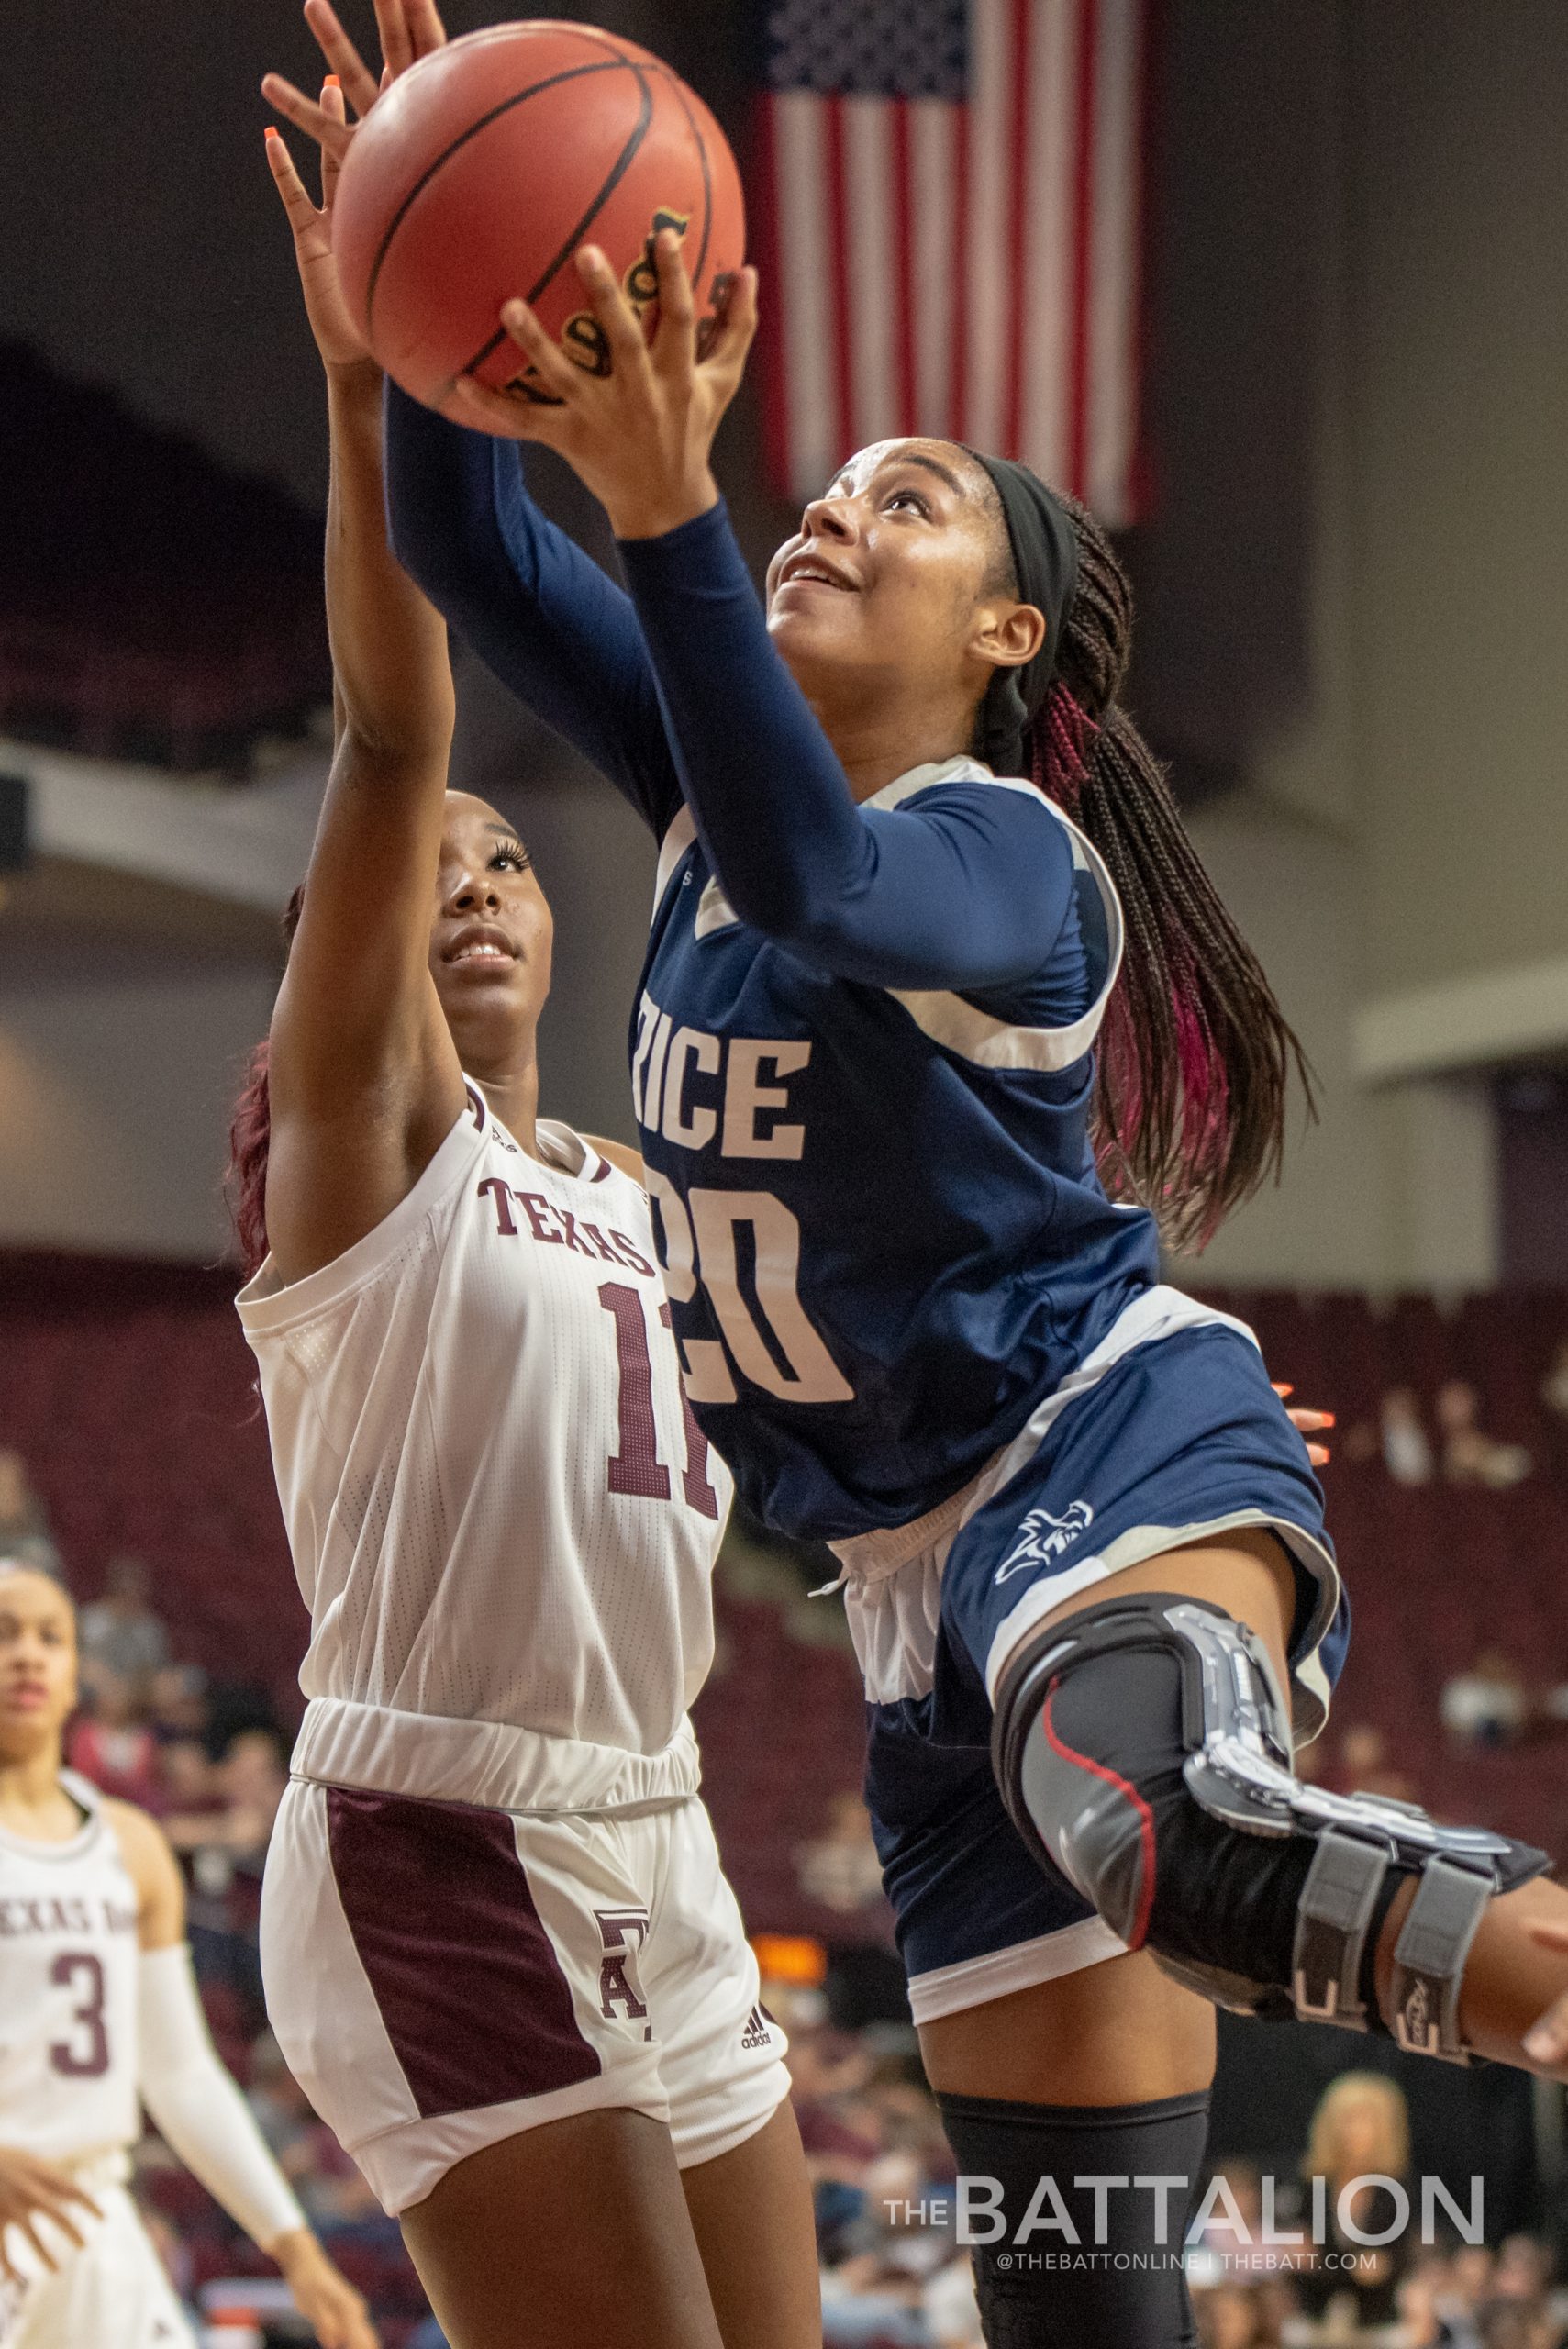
(756, 2033)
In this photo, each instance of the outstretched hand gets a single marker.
(409, 29)
(1308, 1423)
(640, 434)
(337, 337)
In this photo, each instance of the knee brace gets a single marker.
(1143, 1747)
(1077, 2218)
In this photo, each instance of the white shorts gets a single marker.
(441, 1977)
(113, 2293)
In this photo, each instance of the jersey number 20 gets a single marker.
(786, 1357)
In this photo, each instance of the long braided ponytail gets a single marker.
(1195, 1054)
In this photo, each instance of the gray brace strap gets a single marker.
(1428, 1957)
(1235, 1730)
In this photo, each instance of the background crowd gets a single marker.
(204, 1745)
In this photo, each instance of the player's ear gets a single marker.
(1008, 634)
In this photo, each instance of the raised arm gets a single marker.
(967, 889)
(539, 612)
(536, 609)
(363, 1077)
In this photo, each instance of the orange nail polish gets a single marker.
(332, 83)
(1330, 1418)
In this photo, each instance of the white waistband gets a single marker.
(494, 1763)
(1156, 1312)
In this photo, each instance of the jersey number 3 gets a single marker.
(86, 2056)
(635, 1465)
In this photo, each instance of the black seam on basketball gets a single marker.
(679, 87)
(571, 74)
(622, 165)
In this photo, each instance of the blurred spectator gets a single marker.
(120, 1632)
(1364, 1767)
(226, 1850)
(23, 1522)
(1407, 1448)
(1238, 2316)
(1433, 2311)
(188, 1793)
(1488, 1705)
(177, 1703)
(1554, 1385)
(1469, 1456)
(1522, 2271)
(113, 1745)
(839, 1869)
(1520, 2324)
(1360, 2130)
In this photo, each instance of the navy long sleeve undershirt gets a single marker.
(678, 691)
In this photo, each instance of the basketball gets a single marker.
(482, 170)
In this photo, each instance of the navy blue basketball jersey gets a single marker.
(864, 1108)
(885, 1235)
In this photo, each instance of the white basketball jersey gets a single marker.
(499, 1506)
(69, 1954)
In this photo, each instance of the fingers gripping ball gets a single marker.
(479, 174)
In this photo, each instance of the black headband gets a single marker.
(1045, 563)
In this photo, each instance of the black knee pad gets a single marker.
(1070, 2251)
(1143, 1747)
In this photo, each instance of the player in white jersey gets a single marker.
(499, 1951)
(99, 2016)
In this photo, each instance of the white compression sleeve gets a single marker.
(197, 2108)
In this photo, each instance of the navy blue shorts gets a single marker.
(1180, 1437)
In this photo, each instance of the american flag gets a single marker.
(950, 205)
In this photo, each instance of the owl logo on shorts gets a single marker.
(1043, 1538)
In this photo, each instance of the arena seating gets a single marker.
(196, 626)
(129, 1391)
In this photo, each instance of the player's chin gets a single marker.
(826, 628)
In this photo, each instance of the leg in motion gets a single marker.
(572, 2232)
(1142, 1744)
(1102, 2074)
(751, 2211)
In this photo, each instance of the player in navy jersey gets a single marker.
(915, 860)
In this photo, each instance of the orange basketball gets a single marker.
(479, 174)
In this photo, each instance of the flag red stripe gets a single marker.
(765, 196)
(904, 267)
(1083, 246)
(1141, 489)
(1018, 228)
(958, 403)
(838, 274)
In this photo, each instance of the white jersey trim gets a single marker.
(975, 1981)
(94, 1828)
(681, 836)
(958, 1026)
(975, 1036)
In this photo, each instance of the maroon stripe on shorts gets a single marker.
(467, 1980)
